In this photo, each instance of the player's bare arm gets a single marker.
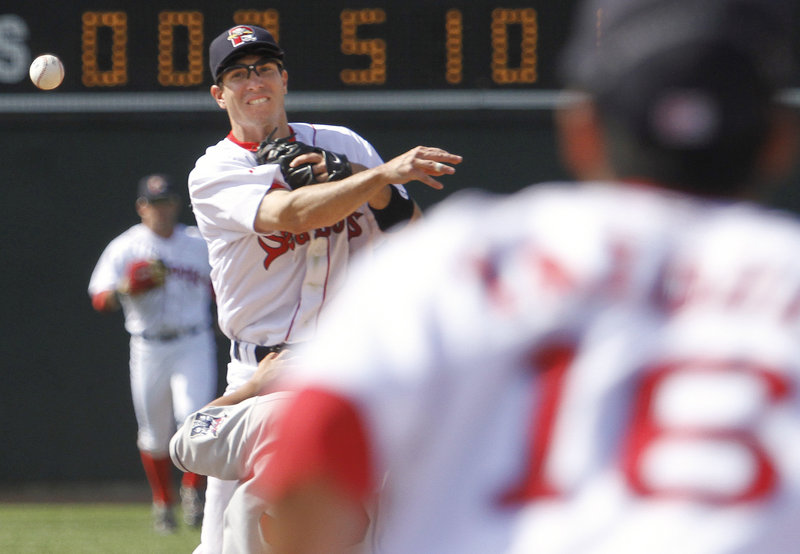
(317, 518)
(265, 374)
(379, 201)
(325, 204)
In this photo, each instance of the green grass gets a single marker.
(87, 529)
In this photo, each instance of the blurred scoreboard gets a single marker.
(335, 45)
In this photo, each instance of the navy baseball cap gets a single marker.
(682, 74)
(157, 187)
(238, 41)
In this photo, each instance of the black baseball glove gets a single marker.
(283, 150)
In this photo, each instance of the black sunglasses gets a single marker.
(258, 67)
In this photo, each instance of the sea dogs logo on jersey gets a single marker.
(280, 243)
(205, 424)
(241, 35)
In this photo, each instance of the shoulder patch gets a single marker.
(205, 424)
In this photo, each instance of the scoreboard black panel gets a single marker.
(335, 45)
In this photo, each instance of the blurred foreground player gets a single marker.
(158, 272)
(611, 366)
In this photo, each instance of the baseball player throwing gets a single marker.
(283, 208)
(158, 272)
(607, 367)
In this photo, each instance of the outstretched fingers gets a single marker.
(430, 161)
(439, 159)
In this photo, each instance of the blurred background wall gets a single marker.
(476, 77)
(69, 187)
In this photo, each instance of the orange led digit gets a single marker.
(502, 18)
(92, 74)
(268, 19)
(374, 48)
(454, 30)
(167, 75)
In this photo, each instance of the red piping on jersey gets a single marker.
(252, 146)
(325, 286)
(278, 184)
(294, 316)
(324, 296)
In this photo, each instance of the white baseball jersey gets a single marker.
(184, 300)
(591, 369)
(270, 288)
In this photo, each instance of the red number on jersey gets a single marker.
(648, 430)
(551, 365)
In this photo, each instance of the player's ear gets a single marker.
(141, 203)
(285, 77)
(779, 155)
(580, 139)
(216, 93)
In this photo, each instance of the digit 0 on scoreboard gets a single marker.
(454, 46)
(167, 23)
(93, 22)
(502, 19)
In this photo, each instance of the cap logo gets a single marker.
(241, 35)
(156, 185)
(686, 119)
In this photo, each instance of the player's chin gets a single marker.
(262, 113)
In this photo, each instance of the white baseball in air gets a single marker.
(47, 72)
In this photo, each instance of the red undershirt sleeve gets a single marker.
(321, 434)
